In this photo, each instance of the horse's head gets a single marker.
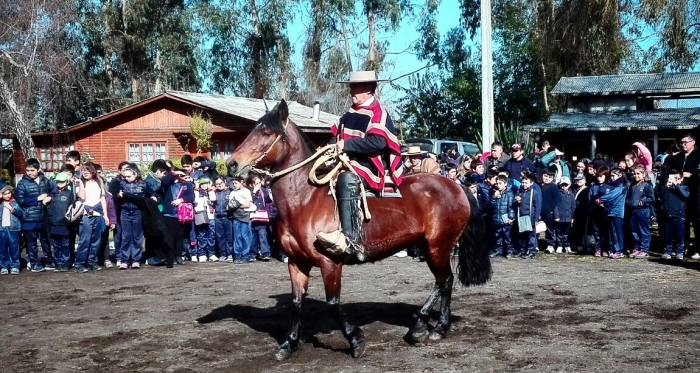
(265, 146)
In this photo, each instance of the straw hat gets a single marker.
(363, 77)
(414, 150)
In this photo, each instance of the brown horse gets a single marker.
(432, 214)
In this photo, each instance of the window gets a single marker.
(52, 158)
(146, 153)
(221, 151)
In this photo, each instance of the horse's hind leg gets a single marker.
(300, 284)
(439, 263)
(444, 322)
(331, 273)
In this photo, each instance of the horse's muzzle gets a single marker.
(232, 168)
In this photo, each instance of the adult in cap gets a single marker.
(420, 163)
(367, 135)
(518, 161)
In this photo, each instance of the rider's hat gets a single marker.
(414, 150)
(363, 77)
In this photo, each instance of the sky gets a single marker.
(399, 64)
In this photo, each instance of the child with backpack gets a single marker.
(640, 198)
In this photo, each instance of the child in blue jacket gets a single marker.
(502, 215)
(612, 198)
(640, 198)
(10, 213)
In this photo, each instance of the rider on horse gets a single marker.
(367, 135)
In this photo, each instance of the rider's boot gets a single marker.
(347, 240)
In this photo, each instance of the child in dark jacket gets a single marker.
(62, 197)
(131, 218)
(612, 198)
(550, 200)
(32, 195)
(10, 214)
(580, 224)
(640, 198)
(563, 216)
(501, 216)
(223, 220)
(672, 198)
(529, 204)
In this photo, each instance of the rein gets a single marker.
(323, 155)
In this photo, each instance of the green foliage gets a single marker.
(200, 130)
(509, 134)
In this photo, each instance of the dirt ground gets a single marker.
(557, 313)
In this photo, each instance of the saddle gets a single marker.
(390, 189)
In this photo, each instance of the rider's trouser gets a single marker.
(348, 193)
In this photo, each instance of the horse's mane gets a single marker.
(271, 122)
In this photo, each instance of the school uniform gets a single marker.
(673, 205)
(132, 220)
(10, 226)
(530, 205)
(259, 242)
(550, 199)
(563, 215)
(640, 198)
(206, 232)
(61, 202)
(223, 225)
(500, 210)
(241, 224)
(26, 194)
(613, 201)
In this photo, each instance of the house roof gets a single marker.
(253, 108)
(629, 84)
(680, 119)
(248, 108)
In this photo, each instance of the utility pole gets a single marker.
(487, 133)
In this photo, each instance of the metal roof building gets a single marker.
(604, 113)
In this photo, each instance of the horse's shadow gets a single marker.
(315, 316)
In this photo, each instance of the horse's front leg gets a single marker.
(299, 276)
(331, 273)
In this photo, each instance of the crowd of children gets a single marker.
(597, 208)
(165, 217)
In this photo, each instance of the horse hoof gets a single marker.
(282, 354)
(436, 336)
(359, 350)
(419, 337)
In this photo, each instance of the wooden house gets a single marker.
(606, 114)
(158, 127)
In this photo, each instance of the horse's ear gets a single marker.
(283, 111)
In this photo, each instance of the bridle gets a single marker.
(266, 152)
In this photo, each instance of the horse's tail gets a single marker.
(474, 266)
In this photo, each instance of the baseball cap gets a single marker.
(204, 180)
(62, 177)
(516, 147)
(565, 180)
(558, 152)
(579, 177)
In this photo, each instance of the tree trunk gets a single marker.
(158, 70)
(371, 56)
(107, 56)
(23, 130)
(347, 43)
